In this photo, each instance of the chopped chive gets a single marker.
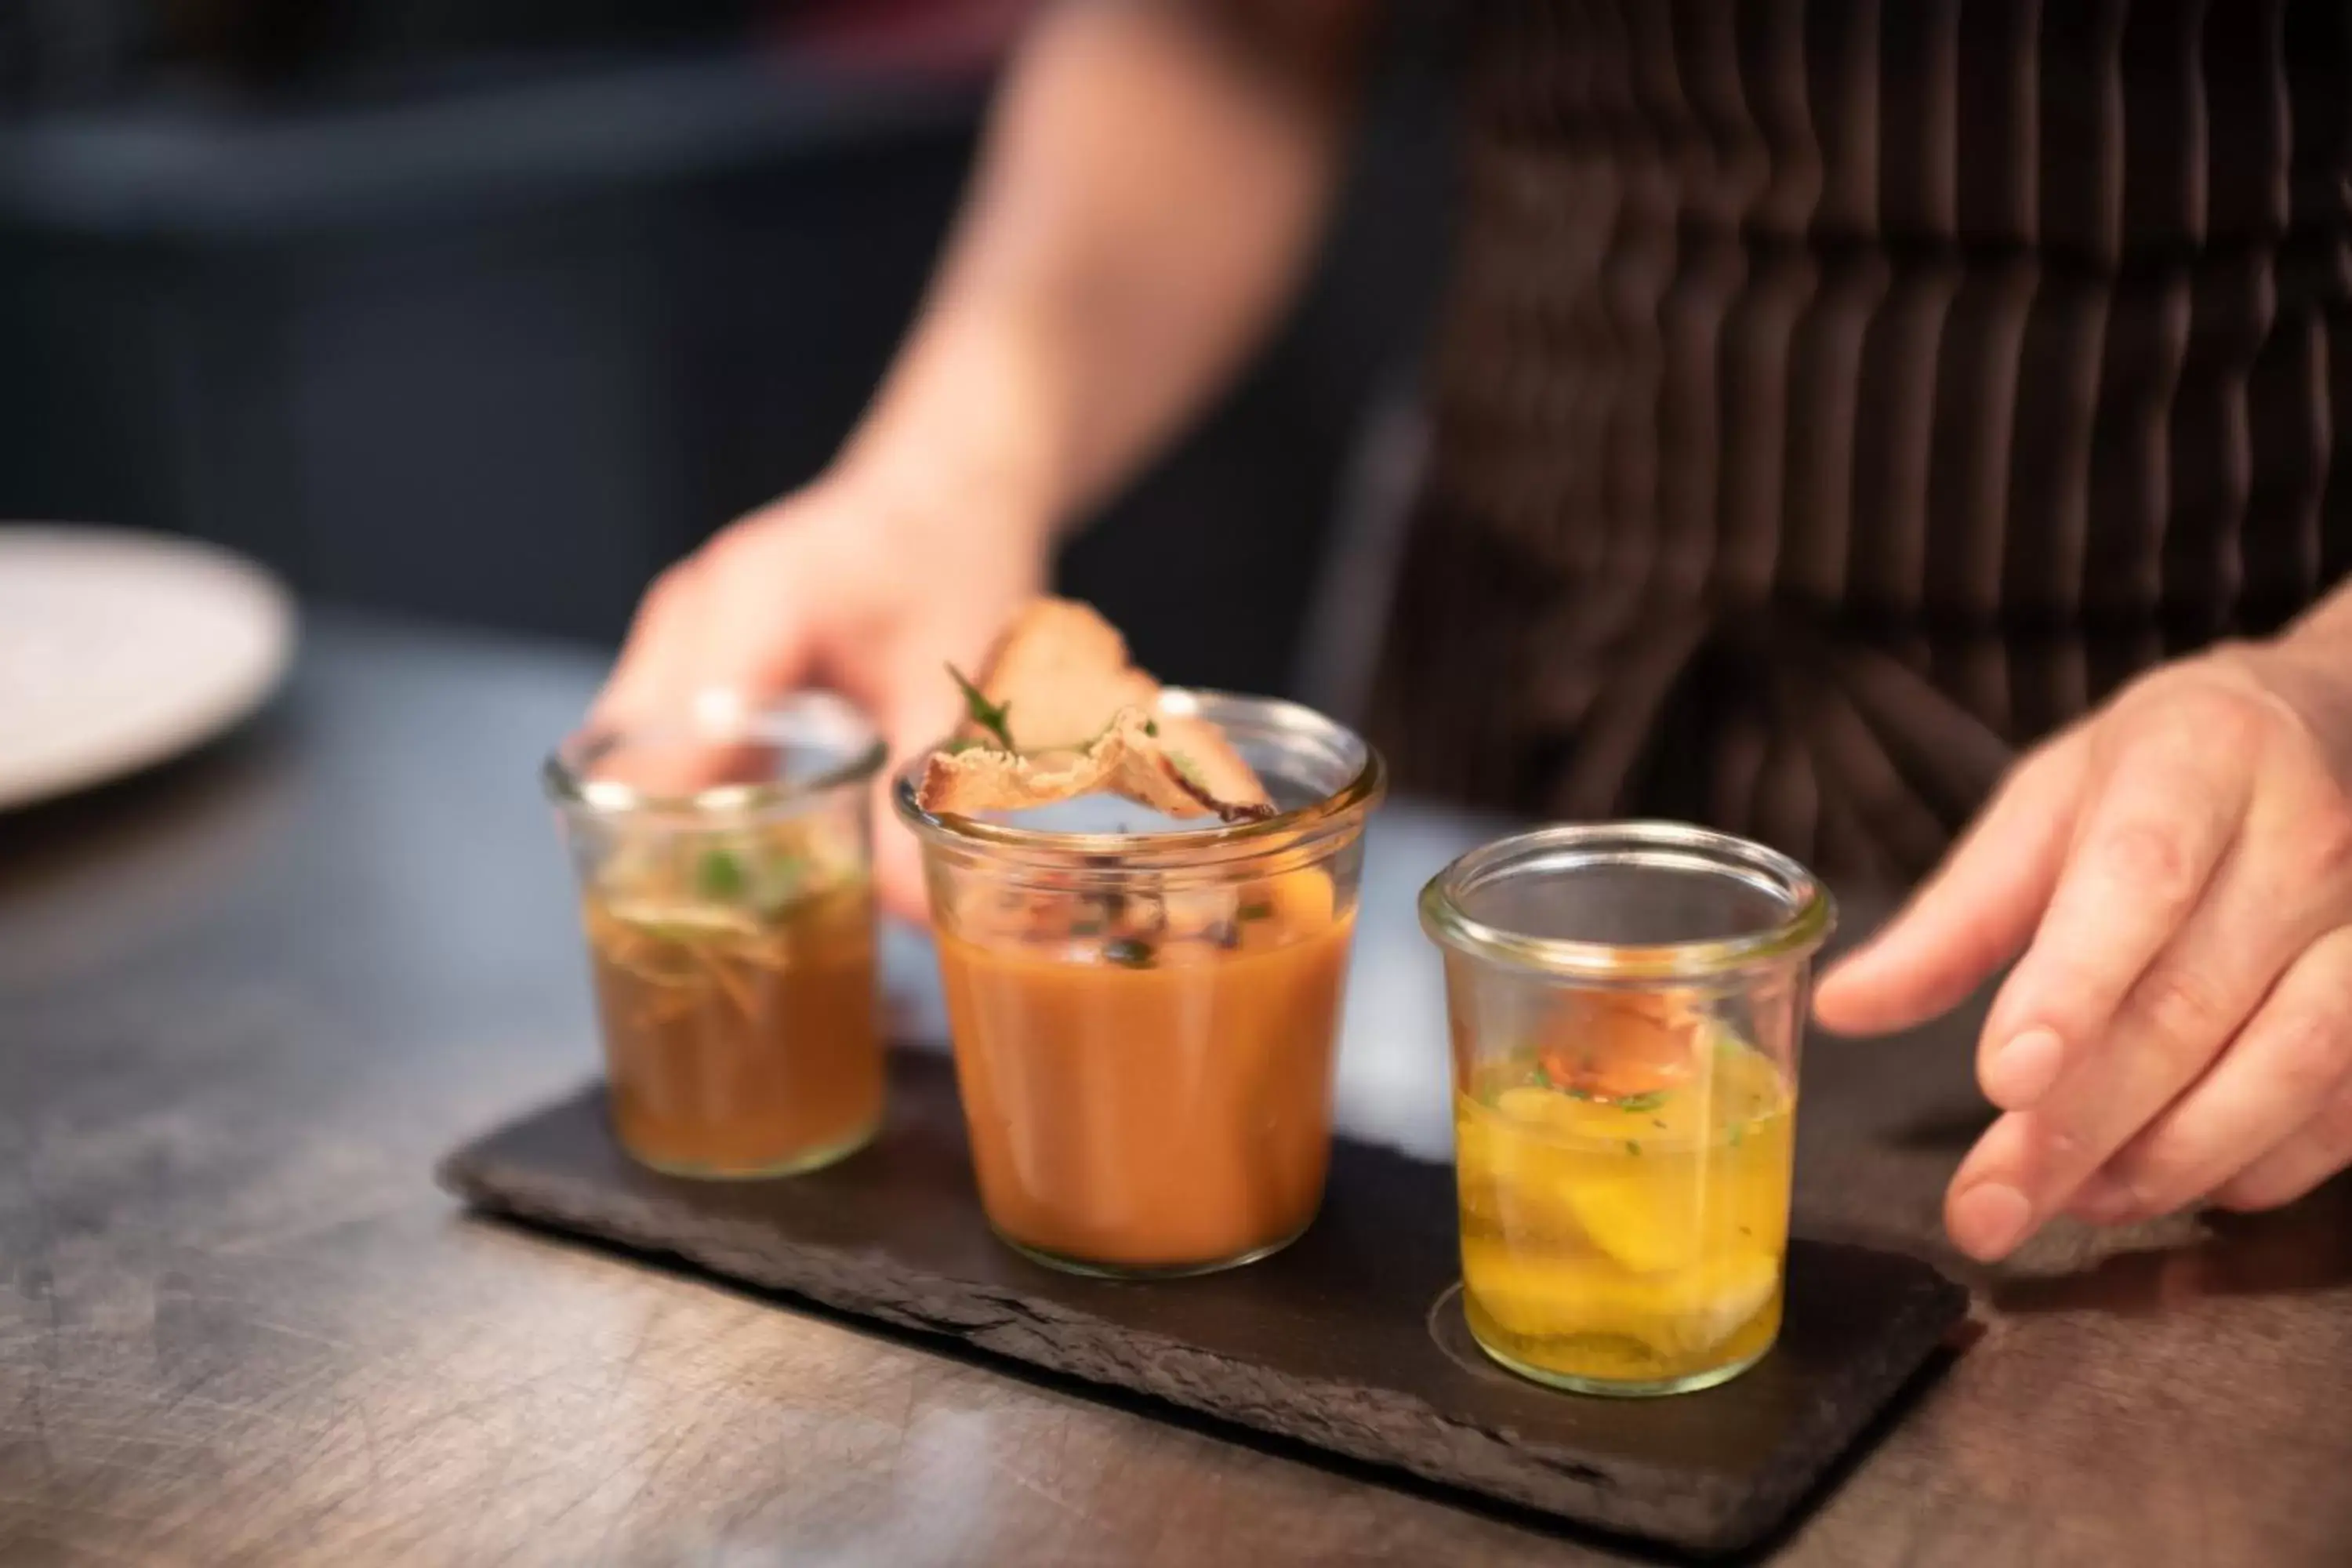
(719, 875)
(1261, 911)
(1737, 1132)
(1152, 728)
(1633, 1146)
(1638, 1104)
(1543, 1076)
(1658, 1124)
(1128, 953)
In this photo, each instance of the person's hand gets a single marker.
(868, 581)
(2177, 871)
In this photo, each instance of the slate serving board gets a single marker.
(1350, 1341)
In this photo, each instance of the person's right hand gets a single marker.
(866, 583)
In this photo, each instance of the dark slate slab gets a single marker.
(1350, 1341)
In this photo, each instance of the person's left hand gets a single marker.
(2177, 870)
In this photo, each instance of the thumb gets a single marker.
(917, 713)
(1978, 912)
(898, 885)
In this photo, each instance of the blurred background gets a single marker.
(483, 310)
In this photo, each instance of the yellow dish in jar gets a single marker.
(1627, 1240)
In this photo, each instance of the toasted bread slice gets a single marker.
(1080, 720)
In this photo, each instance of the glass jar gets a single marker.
(724, 864)
(1144, 1011)
(1626, 1002)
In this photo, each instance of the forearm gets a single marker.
(1151, 187)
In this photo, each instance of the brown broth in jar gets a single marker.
(739, 1041)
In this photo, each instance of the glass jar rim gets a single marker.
(786, 721)
(1186, 846)
(1812, 911)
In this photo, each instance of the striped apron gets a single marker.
(1836, 394)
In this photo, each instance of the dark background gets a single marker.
(484, 309)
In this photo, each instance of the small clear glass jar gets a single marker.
(725, 872)
(1626, 1002)
(1145, 1013)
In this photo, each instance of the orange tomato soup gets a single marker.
(1146, 1093)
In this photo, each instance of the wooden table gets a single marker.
(244, 1002)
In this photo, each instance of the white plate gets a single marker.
(120, 649)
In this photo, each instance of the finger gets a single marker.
(1975, 916)
(742, 640)
(1986, 1211)
(704, 663)
(761, 623)
(2284, 1062)
(918, 707)
(899, 882)
(2169, 1030)
(2163, 815)
(2313, 1152)
(658, 649)
(643, 710)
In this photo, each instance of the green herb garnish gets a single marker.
(1633, 1146)
(762, 876)
(720, 875)
(992, 717)
(1543, 1076)
(1152, 728)
(1128, 953)
(1259, 912)
(1739, 1131)
(1641, 1102)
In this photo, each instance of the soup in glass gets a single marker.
(1144, 1012)
(1625, 1004)
(726, 894)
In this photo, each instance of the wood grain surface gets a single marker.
(246, 1002)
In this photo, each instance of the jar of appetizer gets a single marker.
(1143, 914)
(724, 875)
(1626, 1002)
